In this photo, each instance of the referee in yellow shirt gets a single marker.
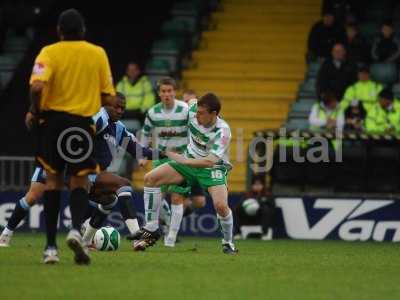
(71, 80)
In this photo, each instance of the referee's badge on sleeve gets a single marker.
(38, 69)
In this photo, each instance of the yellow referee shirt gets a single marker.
(76, 73)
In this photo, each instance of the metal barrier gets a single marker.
(16, 172)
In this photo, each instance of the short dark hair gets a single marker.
(120, 95)
(387, 93)
(71, 24)
(211, 102)
(388, 22)
(132, 62)
(328, 95)
(166, 81)
(190, 92)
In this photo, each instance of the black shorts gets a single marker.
(196, 190)
(65, 142)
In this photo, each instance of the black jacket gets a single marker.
(321, 39)
(358, 50)
(336, 79)
(386, 50)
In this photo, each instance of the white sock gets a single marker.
(165, 212)
(7, 231)
(176, 220)
(133, 225)
(89, 234)
(226, 226)
(152, 202)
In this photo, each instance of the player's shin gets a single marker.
(127, 209)
(165, 213)
(152, 203)
(226, 224)
(79, 200)
(20, 212)
(176, 220)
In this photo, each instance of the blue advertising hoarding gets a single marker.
(353, 219)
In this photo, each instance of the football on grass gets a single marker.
(107, 239)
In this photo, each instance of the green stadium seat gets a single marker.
(374, 12)
(190, 7)
(370, 30)
(310, 101)
(396, 90)
(168, 49)
(8, 62)
(308, 89)
(157, 68)
(16, 44)
(312, 70)
(297, 124)
(300, 109)
(5, 79)
(385, 73)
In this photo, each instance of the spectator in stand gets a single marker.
(255, 208)
(344, 10)
(189, 95)
(355, 116)
(384, 116)
(139, 95)
(336, 73)
(386, 48)
(358, 49)
(323, 35)
(364, 90)
(326, 114)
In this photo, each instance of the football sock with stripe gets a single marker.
(176, 220)
(21, 210)
(127, 209)
(152, 203)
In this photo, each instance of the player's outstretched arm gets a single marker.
(207, 162)
(136, 149)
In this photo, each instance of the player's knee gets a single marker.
(150, 180)
(221, 208)
(199, 202)
(33, 196)
(107, 207)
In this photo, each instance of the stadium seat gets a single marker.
(369, 30)
(312, 71)
(396, 90)
(300, 109)
(16, 44)
(168, 49)
(157, 68)
(8, 62)
(297, 124)
(385, 73)
(179, 29)
(5, 78)
(374, 12)
(308, 89)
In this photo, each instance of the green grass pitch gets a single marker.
(197, 269)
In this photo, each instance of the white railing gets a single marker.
(16, 172)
